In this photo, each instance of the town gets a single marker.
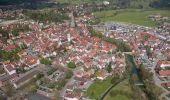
(64, 61)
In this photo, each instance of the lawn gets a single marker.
(98, 87)
(135, 16)
(124, 87)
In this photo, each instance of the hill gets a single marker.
(117, 3)
(126, 3)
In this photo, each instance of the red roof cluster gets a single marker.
(10, 47)
(164, 72)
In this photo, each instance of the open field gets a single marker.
(124, 87)
(135, 16)
(98, 87)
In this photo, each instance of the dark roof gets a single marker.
(27, 76)
(37, 97)
(7, 77)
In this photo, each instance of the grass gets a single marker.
(117, 97)
(135, 16)
(98, 87)
(124, 87)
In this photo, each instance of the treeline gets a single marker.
(147, 91)
(121, 46)
(4, 35)
(152, 91)
(113, 3)
(9, 2)
(125, 3)
(160, 4)
(47, 16)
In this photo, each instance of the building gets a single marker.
(25, 78)
(164, 73)
(10, 69)
(102, 74)
(6, 78)
(163, 64)
(72, 96)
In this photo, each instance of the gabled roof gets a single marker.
(163, 62)
(164, 72)
(8, 77)
(10, 67)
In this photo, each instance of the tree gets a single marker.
(114, 79)
(68, 74)
(109, 68)
(134, 78)
(10, 55)
(60, 84)
(45, 61)
(148, 51)
(145, 73)
(145, 37)
(15, 32)
(71, 64)
(39, 76)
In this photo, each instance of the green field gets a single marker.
(98, 87)
(124, 87)
(135, 16)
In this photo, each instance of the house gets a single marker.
(22, 53)
(72, 96)
(163, 64)
(10, 69)
(101, 74)
(70, 87)
(106, 3)
(25, 78)
(1, 69)
(79, 73)
(6, 78)
(164, 73)
(167, 84)
(31, 61)
(10, 47)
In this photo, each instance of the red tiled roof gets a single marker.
(164, 72)
(72, 95)
(1, 67)
(10, 67)
(8, 77)
(163, 62)
(168, 84)
(30, 60)
(10, 47)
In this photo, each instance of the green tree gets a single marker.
(71, 64)
(69, 74)
(109, 68)
(45, 61)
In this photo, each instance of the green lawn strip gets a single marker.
(98, 87)
(124, 88)
(117, 97)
